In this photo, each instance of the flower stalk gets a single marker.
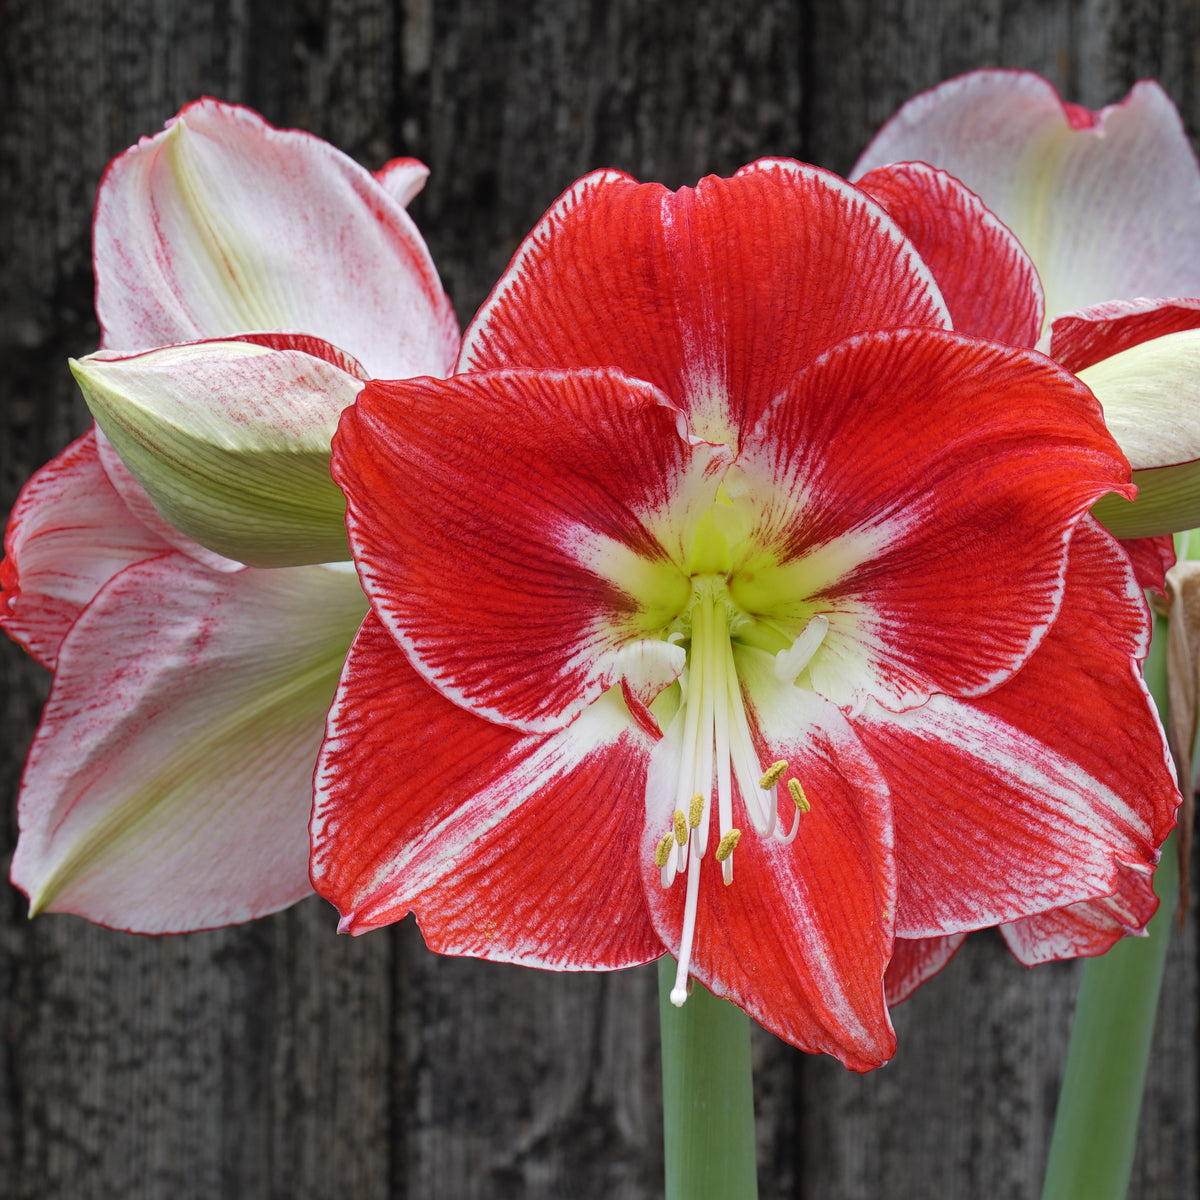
(708, 1095)
(1096, 1125)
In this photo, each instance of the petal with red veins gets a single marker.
(988, 281)
(892, 527)
(1040, 794)
(1108, 207)
(716, 294)
(1082, 339)
(68, 535)
(222, 224)
(508, 846)
(801, 937)
(1151, 559)
(169, 783)
(231, 442)
(915, 960)
(523, 535)
(1089, 928)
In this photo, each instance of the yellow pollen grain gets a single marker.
(681, 828)
(662, 852)
(798, 795)
(696, 811)
(728, 842)
(773, 774)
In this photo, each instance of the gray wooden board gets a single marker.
(276, 1060)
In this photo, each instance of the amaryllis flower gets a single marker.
(727, 603)
(169, 784)
(1107, 205)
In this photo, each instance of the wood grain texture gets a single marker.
(276, 1060)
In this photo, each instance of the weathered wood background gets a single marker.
(277, 1060)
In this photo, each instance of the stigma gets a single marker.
(718, 766)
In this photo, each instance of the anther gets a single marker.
(797, 793)
(773, 774)
(681, 828)
(662, 853)
(696, 811)
(728, 842)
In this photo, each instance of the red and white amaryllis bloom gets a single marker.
(169, 784)
(727, 603)
(1107, 206)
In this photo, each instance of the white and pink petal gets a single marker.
(223, 224)
(169, 783)
(1107, 204)
(69, 533)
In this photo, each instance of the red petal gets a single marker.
(506, 846)
(1082, 339)
(520, 533)
(1151, 558)
(1033, 797)
(907, 474)
(718, 295)
(915, 960)
(68, 535)
(801, 938)
(988, 281)
(1086, 929)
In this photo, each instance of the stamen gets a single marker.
(696, 811)
(773, 774)
(662, 853)
(791, 662)
(728, 842)
(681, 828)
(797, 793)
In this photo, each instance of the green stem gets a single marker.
(708, 1096)
(1095, 1128)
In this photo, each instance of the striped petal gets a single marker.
(892, 525)
(801, 936)
(1089, 928)
(1106, 203)
(718, 295)
(915, 960)
(1043, 793)
(988, 281)
(68, 535)
(507, 846)
(223, 224)
(524, 535)
(169, 783)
